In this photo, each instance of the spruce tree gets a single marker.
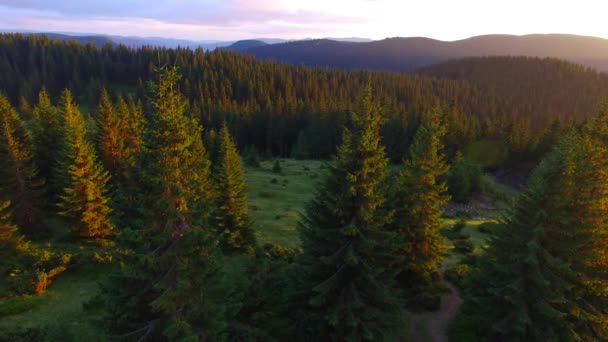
(544, 277)
(212, 146)
(18, 173)
(47, 132)
(232, 216)
(168, 289)
(343, 285)
(418, 196)
(111, 139)
(82, 179)
(132, 115)
(577, 226)
(523, 287)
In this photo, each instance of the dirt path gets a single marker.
(432, 326)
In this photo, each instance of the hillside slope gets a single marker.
(408, 54)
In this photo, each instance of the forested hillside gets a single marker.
(286, 110)
(155, 195)
(411, 53)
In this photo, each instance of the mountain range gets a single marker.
(391, 54)
(408, 54)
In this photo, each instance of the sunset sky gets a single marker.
(292, 19)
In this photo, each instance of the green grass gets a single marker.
(60, 309)
(277, 200)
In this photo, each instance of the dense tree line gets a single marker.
(289, 110)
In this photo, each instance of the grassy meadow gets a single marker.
(276, 201)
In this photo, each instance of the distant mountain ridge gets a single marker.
(409, 54)
(391, 54)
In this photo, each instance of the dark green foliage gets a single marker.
(276, 167)
(542, 276)
(232, 216)
(343, 287)
(168, 290)
(82, 179)
(47, 128)
(251, 157)
(522, 291)
(463, 179)
(261, 309)
(577, 224)
(8, 229)
(212, 145)
(19, 180)
(301, 150)
(417, 199)
(279, 108)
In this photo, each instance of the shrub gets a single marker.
(463, 246)
(274, 181)
(251, 157)
(276, 167)
(463, 179)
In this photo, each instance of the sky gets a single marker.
(297, 19)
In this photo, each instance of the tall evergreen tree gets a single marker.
(167, 290)
(577, 226)
(83, 197)
(343, 282)
(417, 199)
(544, 277)
(111, 137)
(47, 132)
(232, 215)
(522, 290)
(18, 173)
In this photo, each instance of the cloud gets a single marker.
(182, 18)
(236, 19)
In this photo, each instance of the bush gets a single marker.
(251, 157)
(463, 179)
(276, 168)
(463, 246)
(274, 181)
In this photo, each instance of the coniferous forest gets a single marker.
(153, 194)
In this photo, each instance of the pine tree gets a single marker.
(168, 289)
(232, 216)
(83, 198)
(343, 283)
(18, 173)
(417, 199)
(47, 132)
